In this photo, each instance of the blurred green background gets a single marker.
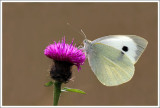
(29, 27)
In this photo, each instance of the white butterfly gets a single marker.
(112, 58)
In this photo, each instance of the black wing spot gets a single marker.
(125, 48)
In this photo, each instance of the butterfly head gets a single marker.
(86, 41)
(87, 44)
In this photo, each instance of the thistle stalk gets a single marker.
(57, 92)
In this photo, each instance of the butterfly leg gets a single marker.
(80, 47)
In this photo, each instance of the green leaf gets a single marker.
(65, 89)
(50, 83)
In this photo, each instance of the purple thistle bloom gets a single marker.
(64, 52)
(64, 57)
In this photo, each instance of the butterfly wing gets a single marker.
(132, 45)
(110, 65)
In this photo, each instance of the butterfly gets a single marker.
(112, 57)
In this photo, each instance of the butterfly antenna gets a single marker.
(81, 33)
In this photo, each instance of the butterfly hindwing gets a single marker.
(111, 66)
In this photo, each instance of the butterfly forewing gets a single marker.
(131, 45)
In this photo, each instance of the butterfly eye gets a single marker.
(85, 41)
(125, 48)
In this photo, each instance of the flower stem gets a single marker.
(57, 92)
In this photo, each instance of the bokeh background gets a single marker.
(29, 27)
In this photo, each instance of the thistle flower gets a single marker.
(64, 57)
